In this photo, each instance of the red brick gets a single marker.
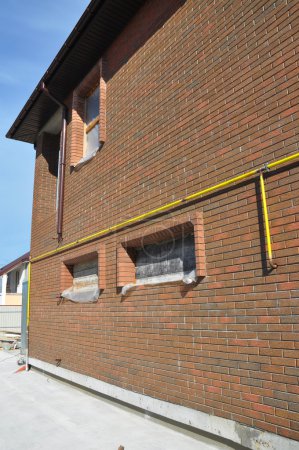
(190, 97)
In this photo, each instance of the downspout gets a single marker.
(61, 169)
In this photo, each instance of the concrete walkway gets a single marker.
(41, 413)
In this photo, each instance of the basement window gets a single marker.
(161, 262)
(85, 283)
(171, 251)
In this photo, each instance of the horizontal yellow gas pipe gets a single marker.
(164, 208)
(266, 221)
(221, 185)
(287, 159)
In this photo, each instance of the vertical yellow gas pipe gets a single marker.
(266, 221)
(28, 315)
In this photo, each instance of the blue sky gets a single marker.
(31, 33)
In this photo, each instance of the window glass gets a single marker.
(166, 258)
(92, 140)
(17, 278)
(9, 283)
(85, 268)
(85, 274)
(92, 106)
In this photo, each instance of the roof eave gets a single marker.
(81, 24)
(22, 259)
(107, 18)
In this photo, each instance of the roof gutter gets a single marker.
(62, 159)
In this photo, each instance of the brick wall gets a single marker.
(44, 195)
(197, 92)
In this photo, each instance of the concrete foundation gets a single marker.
(42, 413)
(250, 438)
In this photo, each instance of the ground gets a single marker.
(42, 413)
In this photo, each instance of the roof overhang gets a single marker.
(22, 259)
(99, 25)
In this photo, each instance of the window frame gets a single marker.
(93, 80)
(94, 122)
(176, 246)
(81, 255)
(187, 223)
(78, 267)
(18, 276)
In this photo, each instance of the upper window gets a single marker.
(88, 130)
(92, 115)
(17, 278)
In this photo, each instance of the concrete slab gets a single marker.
(42, 413)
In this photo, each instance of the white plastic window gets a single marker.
(92, 123)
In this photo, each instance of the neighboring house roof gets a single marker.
(101, 22)
(15, 263)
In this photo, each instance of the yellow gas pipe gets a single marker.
(163, 208)
(266, 221)
(171, 205)
(28, 293)
(28, 314)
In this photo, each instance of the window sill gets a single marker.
(85, 160)
(185, 277)
(82, 295)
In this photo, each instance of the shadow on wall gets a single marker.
(50, 152)
(148, 20)
(265, 269)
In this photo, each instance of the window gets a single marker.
(92, 114)
(166, 261)
(84, 282)
(13, 279)
(17, 278)
(83, 275)
(168, 251)
(9, 285)
(88, 130)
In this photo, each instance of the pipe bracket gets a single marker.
(265, 168)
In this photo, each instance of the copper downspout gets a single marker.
(61, 169)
